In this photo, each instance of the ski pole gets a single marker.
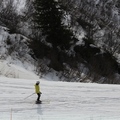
(29, 96)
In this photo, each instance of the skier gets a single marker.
(37, 91)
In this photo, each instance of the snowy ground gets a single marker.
(61, 100)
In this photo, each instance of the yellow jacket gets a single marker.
(37, 89)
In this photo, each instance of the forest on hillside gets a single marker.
(79, 39)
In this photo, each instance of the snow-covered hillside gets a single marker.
(14, 49)
(61, 100)
(14, 71)
(15, 55)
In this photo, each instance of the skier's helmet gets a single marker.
(37, 82)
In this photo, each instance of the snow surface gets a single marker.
(14, 71)
(61, 100)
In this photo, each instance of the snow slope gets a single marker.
(61, 100)
(14, 71)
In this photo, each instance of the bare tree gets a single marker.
(8, 16)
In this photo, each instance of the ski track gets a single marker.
(61, 101)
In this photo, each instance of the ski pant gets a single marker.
(38, 96)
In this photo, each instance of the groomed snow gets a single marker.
(61, 100)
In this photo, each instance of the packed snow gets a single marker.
(61, 100)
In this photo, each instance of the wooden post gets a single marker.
(11, 114)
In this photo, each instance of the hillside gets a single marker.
(77, 41)
(14, 49)
(15, 57)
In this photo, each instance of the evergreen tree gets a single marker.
(48, 18)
